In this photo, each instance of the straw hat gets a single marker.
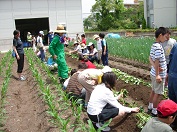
(60, 29)
(29, 33)
(95, 36)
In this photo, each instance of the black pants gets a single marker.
(20, 63)
(108, 112)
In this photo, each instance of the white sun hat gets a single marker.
(41, 32)
(106, 69)
(90, 44)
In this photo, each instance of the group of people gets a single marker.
(94, 85)
(94, 54)
(163, 58)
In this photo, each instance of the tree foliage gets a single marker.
(111, 14)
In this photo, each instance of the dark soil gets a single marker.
(25, 108)
(133, 68)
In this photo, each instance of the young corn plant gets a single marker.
(49, 99)
(4, 90)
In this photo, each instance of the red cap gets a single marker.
(167, 107)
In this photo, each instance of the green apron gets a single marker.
(57, 48)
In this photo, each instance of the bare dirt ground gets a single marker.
(134, 68)
(25, 108)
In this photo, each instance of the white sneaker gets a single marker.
(22, 78)
(106, 129)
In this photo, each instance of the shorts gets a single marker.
(158, 88)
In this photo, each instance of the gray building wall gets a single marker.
(68, 12)
(161, 13)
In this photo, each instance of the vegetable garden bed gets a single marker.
(39, 104)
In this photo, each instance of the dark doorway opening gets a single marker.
(33, 25)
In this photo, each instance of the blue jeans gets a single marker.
(42, 55)
(172, 88)
(93, 58)
(104, 59)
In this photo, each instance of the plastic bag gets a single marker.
(13, 53)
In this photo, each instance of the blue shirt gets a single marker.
(157, 53)
(103, 44)
(50, 36)
(173, 62)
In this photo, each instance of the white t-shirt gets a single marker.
(167, 46)
(100, 96)
(99, 45)
(78, 49)
(65, 84)
(39, 40)
(94, 52)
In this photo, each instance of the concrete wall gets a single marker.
(165, 13)
(68, 12)
(161, 12)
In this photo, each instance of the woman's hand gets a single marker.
(119, 96)
(136, 109)
(18, 57)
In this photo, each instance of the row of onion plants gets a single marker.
(6, 71)
(137, 49)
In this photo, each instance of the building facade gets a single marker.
(35, 15)
(160, 13)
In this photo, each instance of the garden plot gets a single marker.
(39, 103)
(137, 95)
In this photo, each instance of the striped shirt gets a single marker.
(73, 85)
(157, 53)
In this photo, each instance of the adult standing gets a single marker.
(56, 49)
(29, 39)
(50, 36)
(19, 53)
(172, 79)
(104, 45)
(99, 48)
(34, 43)
(167, 46)
(40, 45)
(78, 38)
